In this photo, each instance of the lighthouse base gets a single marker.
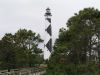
(46, 54)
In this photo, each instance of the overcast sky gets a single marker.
(29, 14)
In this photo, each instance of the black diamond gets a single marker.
(49, 30)
(49, 20)
(49, 45)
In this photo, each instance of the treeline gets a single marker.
(20, 50)
(77, 50)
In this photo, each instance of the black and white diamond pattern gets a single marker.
(49, 30)
(48, 35)
(49, 20)
(48, 43)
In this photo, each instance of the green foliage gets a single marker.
(72, 69)
(20, 50)
(77, 49)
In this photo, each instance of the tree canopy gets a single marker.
(78, 45)
(20, 50)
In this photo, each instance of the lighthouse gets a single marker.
(48, 35)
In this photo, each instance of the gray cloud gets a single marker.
(29, 14)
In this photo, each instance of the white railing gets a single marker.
(24, 71)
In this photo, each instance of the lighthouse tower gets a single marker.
(48, 35)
